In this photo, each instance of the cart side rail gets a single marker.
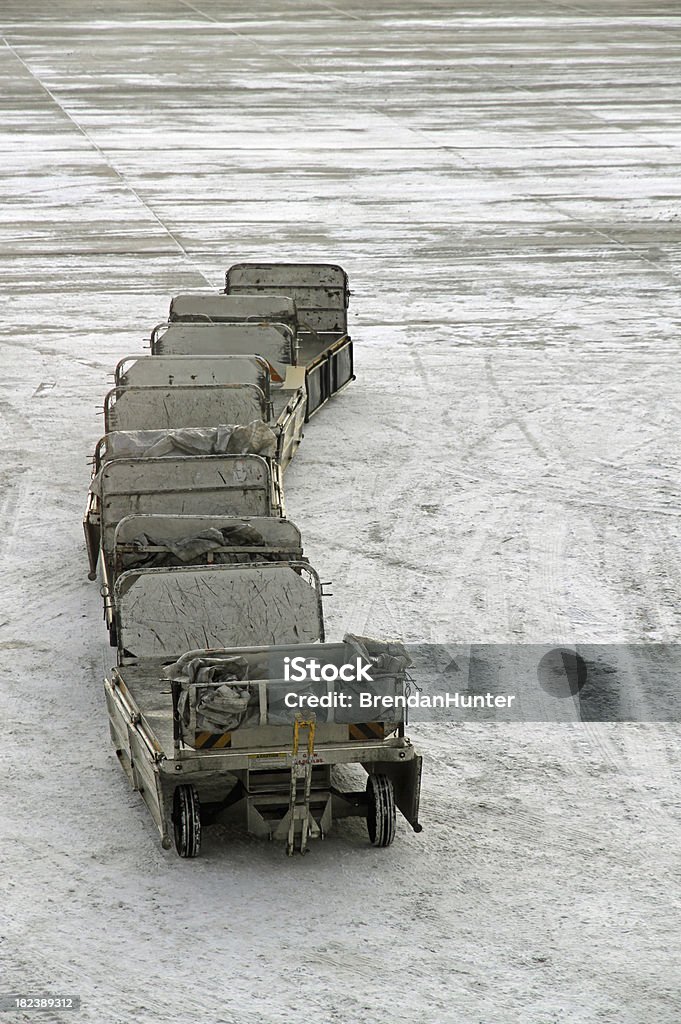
(263, 703)
(290, 423)
(328, 374)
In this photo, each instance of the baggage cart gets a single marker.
(199, 716)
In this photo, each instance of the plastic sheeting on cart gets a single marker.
(254, 438)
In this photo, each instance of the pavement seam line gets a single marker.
(105, 158)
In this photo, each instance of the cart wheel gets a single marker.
(381, 814)
(187, 821)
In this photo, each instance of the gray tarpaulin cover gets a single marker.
(254, 438)
(389, 661)
(185, 550)
(386, 656)
(223, 699)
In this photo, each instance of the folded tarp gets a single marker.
(386, 657)
(185, 550)
(223, 700)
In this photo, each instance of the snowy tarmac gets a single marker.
(501, 183)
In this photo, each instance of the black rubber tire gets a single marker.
(381, 812)
(187, 821)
